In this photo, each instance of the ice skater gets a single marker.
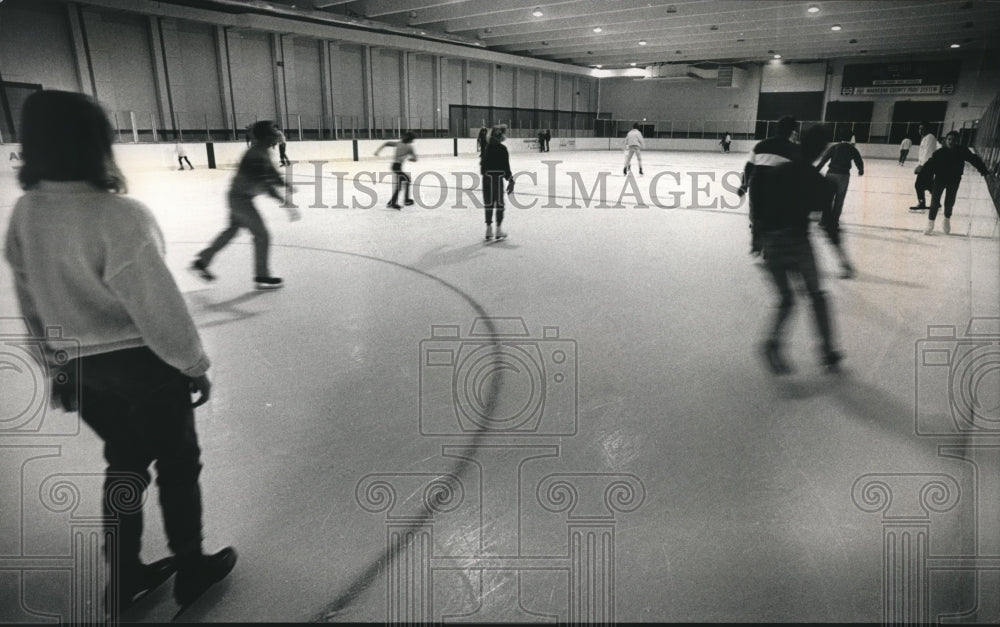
(839, 156)
(924, 180)
(548, 137)
(282, 154)
(494, 167)
(946, 166)
(182, 156)
(767, 154)
(256, 174)
(726, 140)
(89, 261)
(541, 140)
(482, 140)
(788, 193)
(633, 146)
(403, 152)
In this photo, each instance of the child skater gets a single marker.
(89, 260)
(182, 156)
(494, 167)
(728, 139)
(404, 151)
(787, 193)
(256, 174)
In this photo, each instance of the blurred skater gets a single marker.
(839, 156)
(255, 175)
(403, 152)
(788, 193)
(282, 154)
(904, 149)
(88, 260)
(482, 140)
(494, 167)
(767, 154)
(726, 140)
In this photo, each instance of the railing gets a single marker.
(987, 145)
(196, 126)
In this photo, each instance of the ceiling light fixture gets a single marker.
(642, 42)
(956, 46)
(632, 64)
(836, 27)
(777, 56)
(813, 8)
(537, 13)
(598, 66)
(597, 29)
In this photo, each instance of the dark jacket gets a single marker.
(949, 163)
(840, 156)
(793, 191)
(496, 161)
(766, 156)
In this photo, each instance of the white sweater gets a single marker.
(634, 138)
(91, 262)
(927, 147)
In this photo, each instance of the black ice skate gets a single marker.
(194, 579)
(268, 282)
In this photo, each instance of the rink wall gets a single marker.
(227, 154)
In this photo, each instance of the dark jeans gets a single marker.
(141, 409)
(788, 253)
(830, 217)
(902, 156)
(924, 183)
(950, 189)
(493, 197)
(242, 214)
(282, 156)
(401, 179)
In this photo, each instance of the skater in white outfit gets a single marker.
(633, 146)
(404, 151)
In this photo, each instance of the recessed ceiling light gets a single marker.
(836, 27)
(642, 42)
(598, 66)
(777, 56)
(537, 13)
(598, 29)
(956, 46)
(813, 8)
(632, 64)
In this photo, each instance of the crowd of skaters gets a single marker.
(98, 272)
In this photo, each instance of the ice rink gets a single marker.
(605, 443)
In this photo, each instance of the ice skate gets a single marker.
(774, 359)
(930, 227)
(268, 282)
(501, 234)
(489, 232)
(946, 226)
(919, 207)
(137, 586)
(194, 580)
(831, 361)
(200, 270)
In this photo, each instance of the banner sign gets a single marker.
(916, 78)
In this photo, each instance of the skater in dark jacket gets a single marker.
(89, 261)
(766, 155)
(839, 156)
(482, 140)
(946, 166)
(787, 194)
(494, 167)
(256, 175)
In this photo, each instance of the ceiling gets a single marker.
(674, 31)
